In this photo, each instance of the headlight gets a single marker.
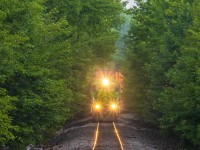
(97, 106)
(113, 106)
(105, 82)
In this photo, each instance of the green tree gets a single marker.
(153, 47)
(181, 101)
(47, 49)
(33, 79)
(6, 128)
(162, 65)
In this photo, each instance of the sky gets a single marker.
(130, 3)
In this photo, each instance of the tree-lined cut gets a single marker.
(47, 47)
(163, 63)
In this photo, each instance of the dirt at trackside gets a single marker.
(134, 134)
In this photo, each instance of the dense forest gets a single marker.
(47, 48)
(162, 66)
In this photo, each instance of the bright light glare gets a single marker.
(105, 82)
(113, 106)
(97, 106)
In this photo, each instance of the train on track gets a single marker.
(106, 94)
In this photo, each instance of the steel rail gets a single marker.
(96, 137)
(118, 137)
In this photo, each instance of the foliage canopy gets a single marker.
(47, 48)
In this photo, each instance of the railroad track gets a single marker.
(111, 134)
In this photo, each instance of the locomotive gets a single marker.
(106, 94)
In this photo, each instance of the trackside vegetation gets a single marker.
(47, 48)
(162, 66)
